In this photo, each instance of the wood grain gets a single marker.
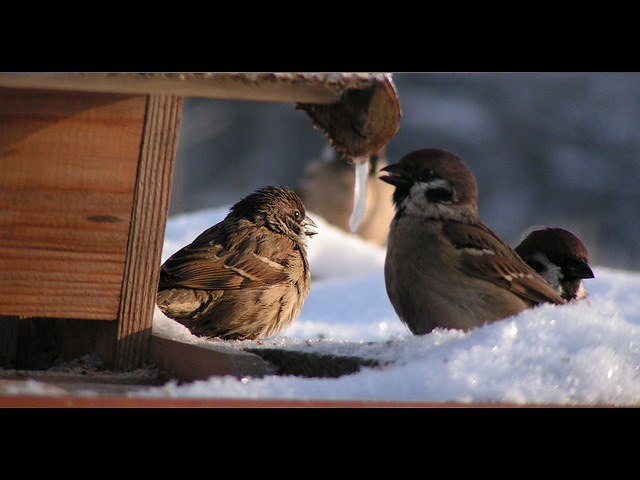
(146, 236)
(69, 164)
(305, 87)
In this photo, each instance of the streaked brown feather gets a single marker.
(503, 268)
(245, 277)
(206, 263)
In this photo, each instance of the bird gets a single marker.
(560, 258)
(444, 267)
(326, 188)
(246, 277)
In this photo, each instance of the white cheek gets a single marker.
(416, 202)
(551, 272)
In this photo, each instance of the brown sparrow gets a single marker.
(246, 277)
(444, 267)
(326, 189)
(560, 258)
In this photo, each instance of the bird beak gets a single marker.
(306, 223)
(580, 270)
(396, 176)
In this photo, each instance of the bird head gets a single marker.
(280, 209)
(432, 182)
(560, 257)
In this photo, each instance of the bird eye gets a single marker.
(426, 175)
(296, 214)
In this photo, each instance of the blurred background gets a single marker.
(553, 149)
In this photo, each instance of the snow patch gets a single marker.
(585, 353)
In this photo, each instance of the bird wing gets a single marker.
(251, 258)
(483, 254)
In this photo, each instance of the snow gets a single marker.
(587, 353)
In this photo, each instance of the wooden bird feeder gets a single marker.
(87, 164)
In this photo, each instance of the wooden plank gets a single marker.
(359, 112)
(189, 362)
(279, 87)
(69, 163)
(146, 236)
(123, 344)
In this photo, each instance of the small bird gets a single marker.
(560, 258)
(246, 277)
(326, 189)
(444, 267)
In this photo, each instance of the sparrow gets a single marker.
(560, 258)
(326, 189)
(444, 267)
(246, 277)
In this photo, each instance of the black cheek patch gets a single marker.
(399, 194)
(439, 195)
(536, 265)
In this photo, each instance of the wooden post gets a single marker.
(146, 236)
(84, 192)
